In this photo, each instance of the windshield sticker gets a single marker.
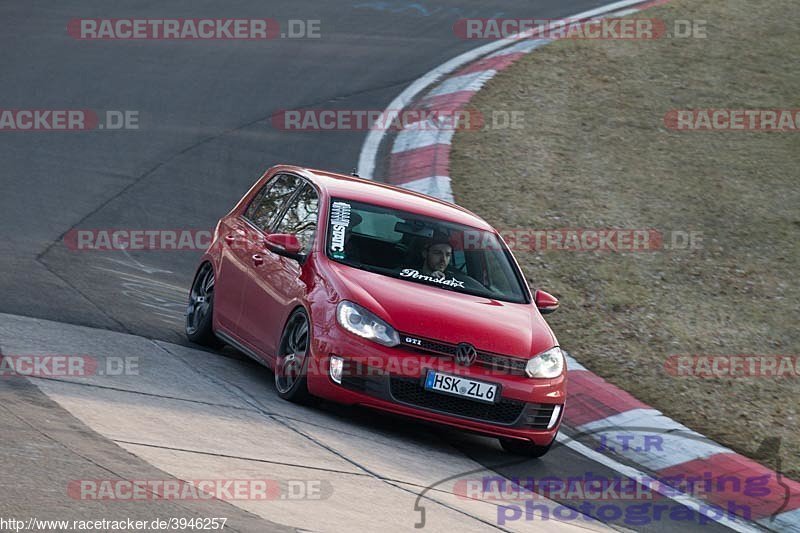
(414, 274)
(340, 220)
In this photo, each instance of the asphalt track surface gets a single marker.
(204, 136)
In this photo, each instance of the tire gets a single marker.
(292, 363)
(200, 312)
(524, 448)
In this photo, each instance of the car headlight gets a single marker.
(361, 322)
(548, 364)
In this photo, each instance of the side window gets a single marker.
(266, 205)
(498, 281)
(301, 217)
(459, 259)
(250, 212)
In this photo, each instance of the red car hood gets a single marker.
(426, 311)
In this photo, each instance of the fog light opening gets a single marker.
(336, 367)
(554, 417)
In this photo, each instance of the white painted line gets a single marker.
(369, 150)
(471, 82)
(620, 14)
(524, 47)
(788, 522)
(739, 525)
(422, 134)
(572, 363)
(436, 186)
(672, 445)
(650, 418)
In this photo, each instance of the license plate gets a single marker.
(463, 387)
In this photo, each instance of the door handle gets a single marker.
(258, 259)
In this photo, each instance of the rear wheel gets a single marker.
(292, 362)
(199, 313)
(525, 448)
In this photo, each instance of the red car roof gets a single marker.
(371, 192)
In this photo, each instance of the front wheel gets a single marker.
(524, 448)
(293, 357)
(199, 314)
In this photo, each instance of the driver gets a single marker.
(436, 256)
(437, 265)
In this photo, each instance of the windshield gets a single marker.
(423, 250)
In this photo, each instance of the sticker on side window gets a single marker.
(340, 220)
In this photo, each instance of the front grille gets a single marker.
(435, 347)
(501, 363)
(498, 362)
(410, 391)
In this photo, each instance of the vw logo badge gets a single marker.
(465, 354)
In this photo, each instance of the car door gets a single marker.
(230, 275)
(277, 286)
(242, 240)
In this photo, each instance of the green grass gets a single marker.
(595, 153)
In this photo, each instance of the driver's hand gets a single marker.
(438, 274)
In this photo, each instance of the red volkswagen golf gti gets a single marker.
(363, 293)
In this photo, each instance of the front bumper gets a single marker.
(391, 379)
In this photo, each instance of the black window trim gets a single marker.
(304, 182)
(284, 205)
(255, 197)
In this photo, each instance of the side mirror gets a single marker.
(545, 302)
(285, 244)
